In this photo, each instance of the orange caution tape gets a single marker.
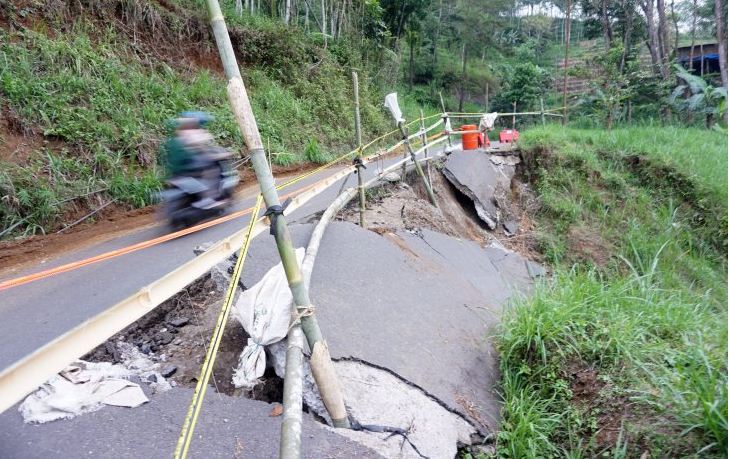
(132, 248)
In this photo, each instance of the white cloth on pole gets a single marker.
(264, 310)
(391, 103)
(487, 121)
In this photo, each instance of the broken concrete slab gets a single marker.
(518, 272)
(227, 427)
(376, 396)
(482, 179)
(467, 258)
(421, 305)
(416, 317)
(510, 228)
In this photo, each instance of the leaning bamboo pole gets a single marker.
(445, 118)
(419, 169)
(322, 366)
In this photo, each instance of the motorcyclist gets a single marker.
(195, 163)
(189, 140)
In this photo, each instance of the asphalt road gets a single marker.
(34, 314)
(228, 427)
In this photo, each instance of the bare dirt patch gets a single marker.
(617, 419)
(111, 222)
(17, 140)
(586, 245)
(405, 206)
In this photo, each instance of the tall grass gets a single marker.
(651, 322)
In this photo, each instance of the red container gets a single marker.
(508, 135)
(469, 141)
(483, 140)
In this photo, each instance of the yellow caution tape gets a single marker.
(188, 428)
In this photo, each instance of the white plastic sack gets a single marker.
(487, 121)
(391, 103)
(264, 310)
(82, 387)
(447, 126)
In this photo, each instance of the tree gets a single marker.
(413, 38)
(524, 83)
(613, 88)
(398, 14)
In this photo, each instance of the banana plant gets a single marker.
(695, 96)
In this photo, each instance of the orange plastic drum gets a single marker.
(469, 141)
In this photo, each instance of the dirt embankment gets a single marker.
(405, 205)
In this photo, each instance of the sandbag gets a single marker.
(264, 311)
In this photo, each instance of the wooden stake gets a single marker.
(486, 97)
(514, 114)
(424, 140)
(446, 120)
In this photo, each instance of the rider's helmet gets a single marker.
(193, 120)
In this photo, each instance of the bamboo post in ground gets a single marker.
(403, 171)
(445, 118)
(424, 140)
(241, 107)
(358, 139)
(419, 169)
(542, 110)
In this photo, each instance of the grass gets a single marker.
(621, 355)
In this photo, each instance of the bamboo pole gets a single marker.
(290, 442)
(542, 110)
(419, 169)
(446, 120)
(424, 140)
(241, 106)
(358, 140)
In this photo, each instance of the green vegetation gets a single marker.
(617, 355)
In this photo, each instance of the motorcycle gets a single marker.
(205, 193)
